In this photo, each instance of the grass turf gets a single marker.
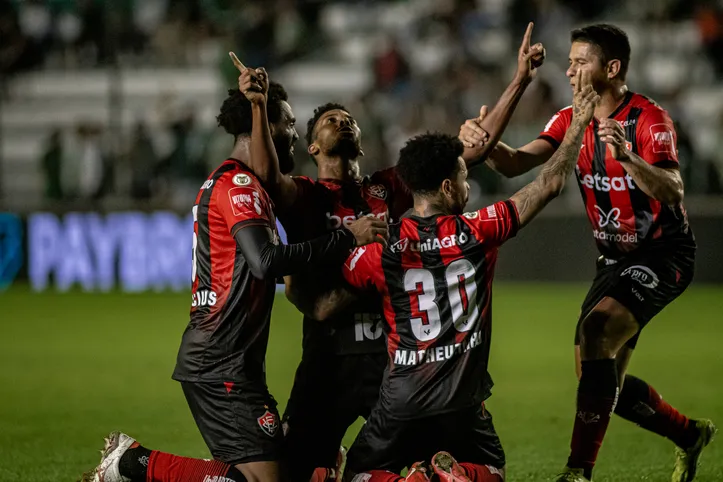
(76, 366)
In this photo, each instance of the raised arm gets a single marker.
(531, 199)
(254, 83)
(494, 123)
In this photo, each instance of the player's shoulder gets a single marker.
(232, 174)
(562, 115)
(649, 107)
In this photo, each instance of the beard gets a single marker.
(346, 148)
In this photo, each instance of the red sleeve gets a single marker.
(363, 269)
(494, 224)
(242, 201)
(656, 138)
(554, 131)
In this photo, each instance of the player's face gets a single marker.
(337, 134)
(586, 57)
(458, 193)
(284, 135)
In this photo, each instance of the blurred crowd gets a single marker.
(433, 64)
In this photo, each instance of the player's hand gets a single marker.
(584, 100)
(529, 58)
(254, 83)
(471, 133)
(369, 230)
(613, 134)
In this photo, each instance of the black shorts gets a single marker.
(385, 443)
(239, 422)
(644, 283)
(330, 392)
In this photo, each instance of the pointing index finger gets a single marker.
(528, 36)
(239, 65)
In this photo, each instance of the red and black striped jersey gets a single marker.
(623, 217)
(436, 284)
(227, 336)
(328, 204)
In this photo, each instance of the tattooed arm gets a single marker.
(531, 199)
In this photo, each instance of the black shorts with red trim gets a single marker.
(238, 421)
(330, 393)
(645, 282)
(386, 443)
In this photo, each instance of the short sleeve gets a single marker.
(656, 138)
(494, 224)
(363, 267)
(241, 201)
(556, 127)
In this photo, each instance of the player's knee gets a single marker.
(606, 327)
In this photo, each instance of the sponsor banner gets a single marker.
(128, 251)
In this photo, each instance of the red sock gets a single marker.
(482, 473)
(642, 405)
(379, 476)
(163, 467)
(596, 397)
(322, 474)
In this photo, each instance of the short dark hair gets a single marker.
(427, 160)
(612, 42)
(318, 112)
(235, 116)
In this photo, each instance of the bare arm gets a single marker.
(318, 306)
(254, 83)
(511, 162)
(531, 199)
(662, 184)
(494, 124)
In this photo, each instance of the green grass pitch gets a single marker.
(75, 366)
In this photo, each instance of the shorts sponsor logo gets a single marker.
(662, 138)
(268, 423)
(242, 180)
(378, 191)
(643, 275)
(610, 217)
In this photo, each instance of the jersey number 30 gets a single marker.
(462, 292)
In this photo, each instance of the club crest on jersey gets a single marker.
(378, 191)
(628, 145)
(242, 180)
(472, 215)
(268, 423)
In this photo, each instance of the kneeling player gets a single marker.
(436, 283)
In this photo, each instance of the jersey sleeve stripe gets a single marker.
(549, 139)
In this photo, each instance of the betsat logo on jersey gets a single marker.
(335, 222)
(431, 244)
(605, 183)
